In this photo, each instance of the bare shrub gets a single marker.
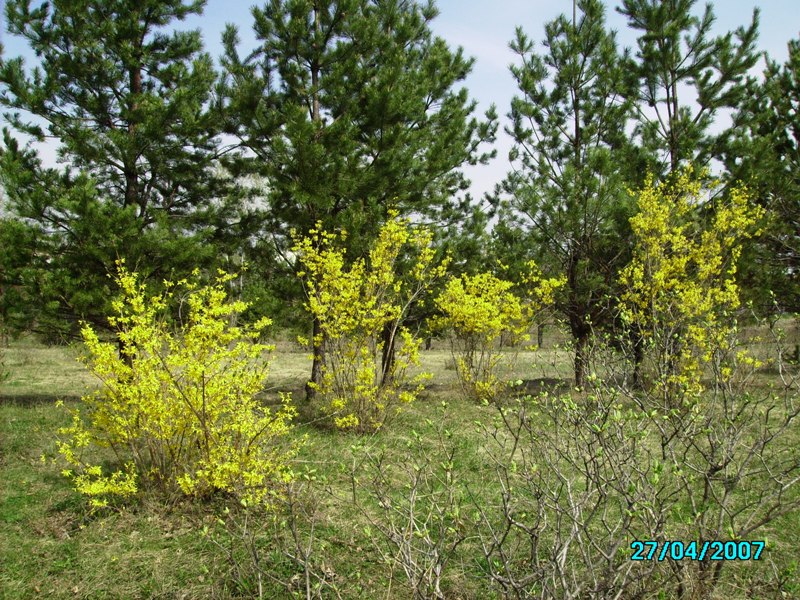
(583, 475)
(576, 479)
(414, 504)
(280, 548)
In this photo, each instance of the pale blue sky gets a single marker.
(484, 29)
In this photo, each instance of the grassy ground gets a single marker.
(52, 546)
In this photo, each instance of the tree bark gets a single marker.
(578, 313)
(126, 358)
(318, 348)
(638, 359)
(388, 338)
(131, 175)
(581, 345)
(318, 341)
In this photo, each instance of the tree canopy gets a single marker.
(349, 108)
(686, 77)
(567, 184)
(129, 101)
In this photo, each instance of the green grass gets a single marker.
(51, 545)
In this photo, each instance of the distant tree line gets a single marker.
(348, 111)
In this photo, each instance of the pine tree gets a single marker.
(686, 78)
(763, 152)
(129, 102)
(569, 131)
(349, 108)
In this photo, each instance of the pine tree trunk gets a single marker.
(130, 171)
(387, 358)
(581, 345)
(318, 341)
(126, 358)
(318, 348)
(578, 315)
(638, 359)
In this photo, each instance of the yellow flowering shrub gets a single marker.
(681, 293)
(477, 310)
(354, 304)
(178, 408)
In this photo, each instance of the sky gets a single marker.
(484, 28)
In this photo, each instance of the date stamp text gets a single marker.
(699, 551)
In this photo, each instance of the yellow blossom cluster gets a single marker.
(478, 310)
(356, 304)
(177, 405)
(681, 291)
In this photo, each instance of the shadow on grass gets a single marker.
(34, 399)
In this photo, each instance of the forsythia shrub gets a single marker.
(178, 410)
(478, 309)
(354, 305)
(681, 293)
